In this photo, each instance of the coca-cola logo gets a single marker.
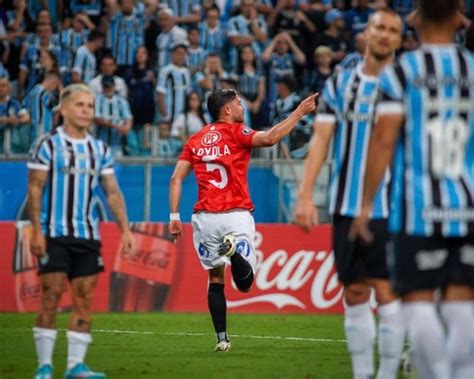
(29, 291)
(281, 275)
(211, 138)
(155, 258)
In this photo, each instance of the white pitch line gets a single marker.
(190, 334)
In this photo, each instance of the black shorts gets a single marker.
(357, 260)
(425, 263)
(74, 256)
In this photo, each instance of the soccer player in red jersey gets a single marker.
(223, 226)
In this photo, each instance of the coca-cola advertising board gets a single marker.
(295, 273)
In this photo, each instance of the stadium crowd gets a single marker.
(152, 64)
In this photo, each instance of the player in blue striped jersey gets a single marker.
(125, 34)
(85, 64)
(66, 168)
(348, 103)
(196, 55)
(113, 117)
(40, 102)
(426, 121)
(174, 83)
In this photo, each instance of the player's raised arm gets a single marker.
(305, 211)
(282, 129)
(182, 169)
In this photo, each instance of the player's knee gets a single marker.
(356, 293)
(384, 293)
(51, 294)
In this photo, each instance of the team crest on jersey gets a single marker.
(246, 131)
(211, 138)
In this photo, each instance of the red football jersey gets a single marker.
(220, 155)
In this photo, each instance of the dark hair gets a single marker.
(95, 35)
(107, 56)
(288, 81)
(217, 99)
(240, 65)
(214, 7)
(437, 10)
(469, 44)
(187, 108)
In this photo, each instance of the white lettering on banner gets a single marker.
(294, 272)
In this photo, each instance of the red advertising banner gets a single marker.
(295, 273)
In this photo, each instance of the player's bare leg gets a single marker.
(457, 313)
(44, 332)
(391, 330)
(426, 335)
(79, 328)
(359, 326)
(218, 307)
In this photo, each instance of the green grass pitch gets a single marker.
(165, 345)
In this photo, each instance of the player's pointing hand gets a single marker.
(309, 104)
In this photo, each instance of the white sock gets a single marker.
(427, 338)
(359, 326)
(391, 337)
(44, 342)
(77, 347)
(459, 318)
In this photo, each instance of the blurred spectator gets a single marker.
(322, 69)
(141, 84)
(246, 29)
(92, 8)
(333, 36)
(469, 42)
(185, 11)
(212, 35)
(125, 34)
(49, 63)
(85, 66)
(251, 83)
(403, 7)
(281, 57)
(286, 103)
(191, 120)
(30, 67)
(108, 68)
(71, 39)
(4, 72)
(409, 41)
(19, 22)
(263, 6)
(39, 103)
(174, 83)
(113, 118)
(171, 35)
(11, 114)
(315, 13)
(168, 147)
(287, 17)
(209, 79)
(357, 17)
(352, 59)
(196, 55)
